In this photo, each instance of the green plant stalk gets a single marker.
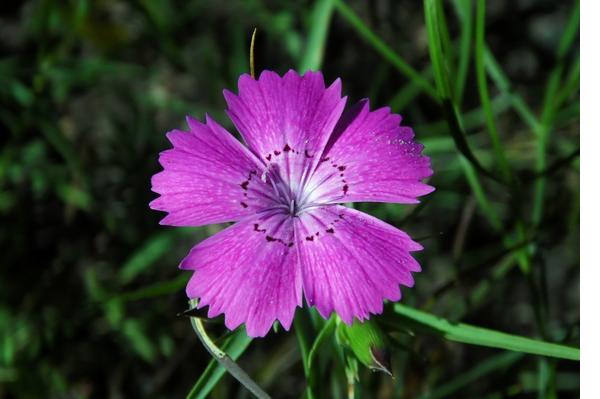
(317, 35)
(427, 323)
(383, 49)
(549, 110)
(484, 94)
(435, 49)
(303, 329)
(446, 44)
(480, 370)
(473, 179)
(224, 360)
(445, 94)
(464, 10)
(408, 92)
(503, 84)
(235, 345)
(323, 335)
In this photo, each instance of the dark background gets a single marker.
(89, 285)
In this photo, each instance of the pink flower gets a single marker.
(305, 156)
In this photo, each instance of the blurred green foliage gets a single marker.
(89, 285)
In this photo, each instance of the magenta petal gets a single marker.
(351, 261)
(370, 157)
(286, 121)
(208, 177)
(249, 272)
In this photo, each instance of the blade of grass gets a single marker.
(488, 366)
(303, 329)
(445, 94)
(503, 84)
(235, 346)
(549, 109)
(472, 119)
(488, 210)
(408, 92)
(317, 35)
(500, 154)
(465, 11)
(323, 335)
(427, 323)
(224, 360)
(383, 49)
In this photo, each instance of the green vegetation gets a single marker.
(90, 292)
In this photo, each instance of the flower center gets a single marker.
(288, 192)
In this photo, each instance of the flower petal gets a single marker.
(351, 261)
(286, 121)
(370, 157)
(249, 272)
(208, 177)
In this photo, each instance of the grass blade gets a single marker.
(501, 361)
(427, 323)
(444, 87)
(317, 36)
(484, 94)
(549, 111)
(384, 50)
(464, 9)
(235, 346)
(224, 360)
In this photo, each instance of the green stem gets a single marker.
(317, 35)
(484, 94)
(236, 371)
(383, 49)
(549, 109)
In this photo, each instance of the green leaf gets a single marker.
(369, 344)
(427, 323)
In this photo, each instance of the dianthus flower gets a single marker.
(304, 156)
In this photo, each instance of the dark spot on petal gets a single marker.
(334, 165)
(310, 238)
(252, 172)
(341, 168)
(345, 189)
(330, 230)
(287, 148)
(317, 234)
(270, 239)
(325, 159)
(341, 175)
(245, 185)
(341, 215)
(306, 154)
(290, 244)
(244, 204)
(257, 229)
(276, 153)
(268, 157)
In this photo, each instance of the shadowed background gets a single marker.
(89, 285)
